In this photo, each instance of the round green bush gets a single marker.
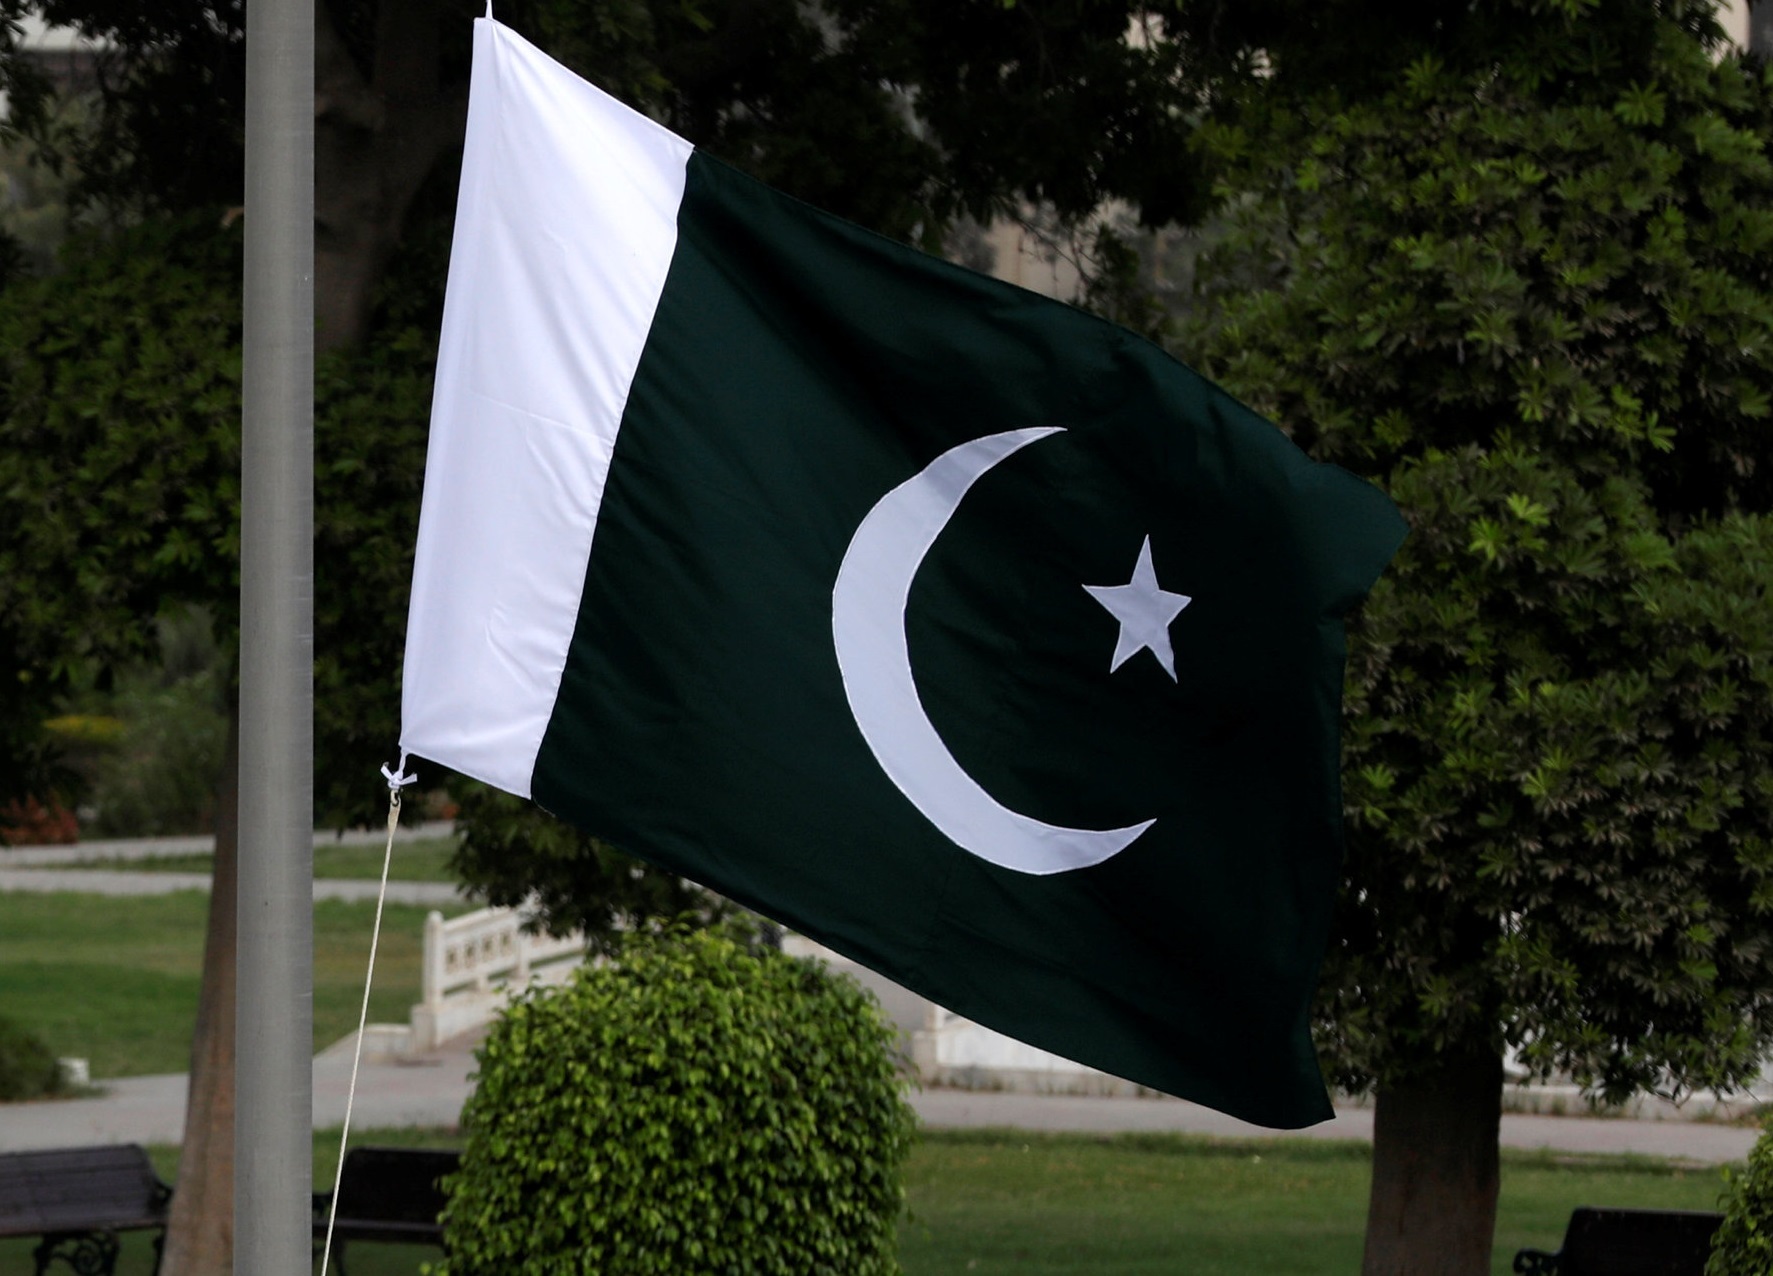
(27, 1068)
(691, 1105)
(1743, 1245)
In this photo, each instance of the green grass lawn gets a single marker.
(423, 860)
(114, 979)
(995, 1201)
(1138, 1205)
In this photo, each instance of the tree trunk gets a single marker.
(377, 136)
(200, 1231)
(1432, 1211)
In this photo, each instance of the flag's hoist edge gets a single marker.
(494, 604)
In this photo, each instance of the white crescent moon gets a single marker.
(868, 627)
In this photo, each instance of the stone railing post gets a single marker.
(431, 975)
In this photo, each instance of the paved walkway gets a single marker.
(430, 1092)
(148, 848)
(101, 881)
(42, 869)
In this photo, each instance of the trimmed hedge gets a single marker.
(691, 1105)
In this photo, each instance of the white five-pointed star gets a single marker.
(1144, 611)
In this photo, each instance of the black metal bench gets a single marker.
(78, 1200)
(386, 1194)
(1618, 1242)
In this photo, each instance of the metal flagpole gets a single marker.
(273, 1169)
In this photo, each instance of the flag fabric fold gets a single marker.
(959, 630)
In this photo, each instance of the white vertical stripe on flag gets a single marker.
(565, 228)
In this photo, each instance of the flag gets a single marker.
(954, 628)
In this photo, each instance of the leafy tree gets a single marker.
(1534, 302)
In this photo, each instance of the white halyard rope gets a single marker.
(397, 780)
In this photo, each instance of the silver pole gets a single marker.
(273, 1161)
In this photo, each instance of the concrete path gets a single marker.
(103, 881)
(1682, 1140)
(430, 1092)
(152, 1109)
(147, 848)
(40, 869)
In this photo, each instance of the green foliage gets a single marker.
(34, 214)
(896, 113)
(165, 132)
(162, 778)
(152, 768)
(513, 853)
(688, 1106)
(27, 1068)
(371, 406)
(900, 114)
(119, 446)
(1535, 305)
(1460, 259)
(1048, 106)
(119, 466)
(1743, 1245)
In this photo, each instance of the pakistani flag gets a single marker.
(959, 630)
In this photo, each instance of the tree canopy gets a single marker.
(1533, 301)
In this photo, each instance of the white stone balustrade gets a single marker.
(475, 963)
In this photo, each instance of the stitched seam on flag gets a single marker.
(543, 418)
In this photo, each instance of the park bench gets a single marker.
(386, 1194)
(1619, 1242)
(78, 1200)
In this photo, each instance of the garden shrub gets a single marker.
(691, 1105)
(1743, 1245)
(28, 1070)
(28, 822)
